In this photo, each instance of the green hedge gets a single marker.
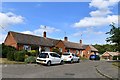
(30, 59)
(115, 57)
(19, 56)
(10, 55)
(6, 50)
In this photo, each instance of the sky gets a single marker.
(88, 21)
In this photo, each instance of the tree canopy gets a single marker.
(114, 36)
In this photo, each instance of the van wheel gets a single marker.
(48, 63)
(62, 62)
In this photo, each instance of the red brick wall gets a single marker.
(87, 52)
(10, 41)
(61, 45)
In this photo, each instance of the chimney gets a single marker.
(65, 38)
(81, 42)
(44, 34)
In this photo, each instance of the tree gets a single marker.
(114, 36)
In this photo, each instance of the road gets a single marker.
(84, 69)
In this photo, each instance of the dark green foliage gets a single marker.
(115, 57)
(114, 36)
(7, 49)
(0, 50)
(55, 49)
(104, 48)
(19, 55)
(33, 53)
(10, 55)
(119, 57)
(30, 59)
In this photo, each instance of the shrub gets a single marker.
(33, 52)
(30, 59)
(115, 57)
(10, 55)
(19, 55)
(7, 49)
(119, 57)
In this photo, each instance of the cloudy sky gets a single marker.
(88, 21)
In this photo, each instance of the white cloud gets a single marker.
(96, 21)
(40, 30)
(102, 16)
(103, 4)
(2, 37)
(10, 18)
(100, 13)
(88, 31)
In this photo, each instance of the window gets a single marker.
(47, 48)
(60, 49)
(77, 51)
(26, 47)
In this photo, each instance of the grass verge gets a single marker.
(5, 61)
(116, 64)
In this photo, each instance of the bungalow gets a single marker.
(89, 50)
(31, 42)
(67, 46)
(109, 55)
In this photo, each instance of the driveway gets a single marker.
(84, 69)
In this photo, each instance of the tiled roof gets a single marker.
(113, 53)
(91, 47)
(37, 40)
(72, 45)
(33, 40)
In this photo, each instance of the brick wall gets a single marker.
(10, 41)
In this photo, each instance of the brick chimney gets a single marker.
(65, 38)
(44, 34)
(81, 42)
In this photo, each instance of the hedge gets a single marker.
(10, 55)
(19, 56)
(30, 59)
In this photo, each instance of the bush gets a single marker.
(7, 49)
(115, 57)
(118, 57)
(10, 55)
(19, 55)
(33, 53)
(30, 59)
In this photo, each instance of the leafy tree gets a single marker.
(6, 50)
(114, 36)
(104, 48)
(56, 49)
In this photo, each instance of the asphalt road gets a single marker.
(84, 69)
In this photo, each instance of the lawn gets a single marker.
(116, 64)
(5, 61)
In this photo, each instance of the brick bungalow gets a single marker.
(109, 55)
(31, 42)
(89, 50)
(67, 46)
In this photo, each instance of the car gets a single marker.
(94, 57)
(70, 57)
(49, 58)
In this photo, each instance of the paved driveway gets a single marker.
(84, 69)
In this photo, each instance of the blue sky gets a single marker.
(89, 19)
